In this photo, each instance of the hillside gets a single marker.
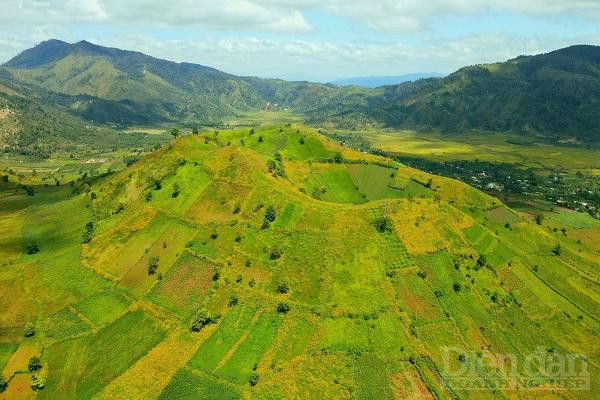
(556, 95)
(276, 264)
(552, 95)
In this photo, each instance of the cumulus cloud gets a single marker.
(323, 60)
(236, 15)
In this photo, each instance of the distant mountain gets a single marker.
(556, 95)
(377, 81)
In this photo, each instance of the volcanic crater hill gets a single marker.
(278, 264)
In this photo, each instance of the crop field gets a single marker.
(288, 267)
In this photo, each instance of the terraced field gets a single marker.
(276, 264)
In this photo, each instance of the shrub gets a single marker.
(270, 214)
(539, 218)
(557, 250)
(253, 380)
(37, 382)
(275, 255)
(148, 196)
(457, 287)
(237, 208)
(32, 247)
(383, 224)
(203, 319)
(89, 231)
(29, 330)
(422, 274)
(283, 308)
(175, 190)
(282, 287)
(3, 384)
(301, 140)
(260, 139)
(462, 358)
(338, 158)
(233, 300)
(152, 265)
(35, 364)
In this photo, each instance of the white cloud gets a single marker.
(323, 61)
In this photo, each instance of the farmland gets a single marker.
(271, 262)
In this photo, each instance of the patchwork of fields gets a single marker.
(276, 264)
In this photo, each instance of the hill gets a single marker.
(377, 81)
(276, 264)
(552, 96)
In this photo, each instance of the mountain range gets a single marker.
(82, 86)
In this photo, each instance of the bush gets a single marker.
(3, 384)
(175, 190)
(89, 231)
(275, 255)
(148, 196)
(557, 250)
(35, 364)
(153, 265)
(270, 214)
(203, 319)
(233, 300)
(32, 247)
(282, 287)
(457, 287)
(29, 330)
(253, 380)
(283, 308)
(37, 382)
(383, 224)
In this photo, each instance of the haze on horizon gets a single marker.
(308, 39)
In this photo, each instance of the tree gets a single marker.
(383, 224)
(557, 250)
(301, 140)
(35, 364)
(338, 158)
(175, 190)
(283, 287)
(37, 382)
(260, 139)
(29, 330)
(457, 287)
(88, 233)
(153, 265)
(174, 132)
(539, 218)
(283, 308)
(270, 214)
(3, 384)
(203, 319)
(233, 300)
(32, 247)
(253, 380)
(195, 131)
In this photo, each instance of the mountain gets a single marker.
(277, 264)
(377, 81)
(554, 96)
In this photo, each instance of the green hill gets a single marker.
(552, 95)
(276, 264)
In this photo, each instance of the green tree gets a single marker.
(174, 132)
(195, 131)
(3, 384)
(283, 287)
(383, 224)
(153, 265)
(557, 250)
(29, 330)
(270, 214)
(176, 190)
(539, 218)
(283, 308)
(203, 319)
(253, 380)
(32, 247)
(34, 364)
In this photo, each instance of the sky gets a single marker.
(316, 40)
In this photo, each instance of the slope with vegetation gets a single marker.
(273, 263)
(553, 96)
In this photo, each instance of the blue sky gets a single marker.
(317, 40)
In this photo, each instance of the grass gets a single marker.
(189, 384)
(102, 307)
(370, 304)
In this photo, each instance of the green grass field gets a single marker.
(306, 270)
